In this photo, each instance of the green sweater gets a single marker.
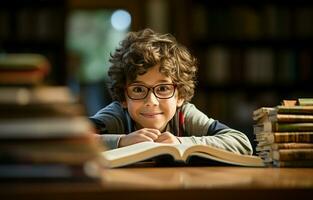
(189, 124)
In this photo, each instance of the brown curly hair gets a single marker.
(144, 49)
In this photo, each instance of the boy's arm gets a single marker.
(228, 139)
(110, 123)
(204, 130)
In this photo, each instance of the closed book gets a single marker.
(88, 171)
(291, 118)
(291, 145)
(23, 61)
(30, 77)
(294, 109)
(293, 154)
(62, 150)
(12, 111)
(49, 127)
(36, 95)
(283, 137)
(293, 163)
(269, 126)
(305, 101)
(277, 146)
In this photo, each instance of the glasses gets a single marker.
(161, 91)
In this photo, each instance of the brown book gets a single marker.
(284, 114)
(293, 154)
(291, 118)
(23, 61)
(11, 111)
(299, 137)
(305, 101)
(71, 151)
(293, 163)
(276, 146)
(270, 126)
(294, 109)
(299, 101)
(36, 95)
(29, 77)
(291, 145)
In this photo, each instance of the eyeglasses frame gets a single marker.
(152, 89)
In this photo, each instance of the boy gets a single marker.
(152, 82)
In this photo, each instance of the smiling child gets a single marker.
(152, 80)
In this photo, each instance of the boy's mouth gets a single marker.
(150, 115)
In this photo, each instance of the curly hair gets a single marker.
(144, 49)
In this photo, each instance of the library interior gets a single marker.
(250, 55)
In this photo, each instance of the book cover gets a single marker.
(49, 127)
(294, 109)
(305, 101)
(285, 137)
(263, 113)
(23, 61)
(291, 145)
(36, 95)
(291, 118)
(293, 163)
(270, 126)
(293, 154)
(88, 171)
(30, 77)
(12, 111)
(180, 153)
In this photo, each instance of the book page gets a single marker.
(138, 152)
(223, 156)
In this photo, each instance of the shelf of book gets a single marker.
(250, 54)
(33, 26)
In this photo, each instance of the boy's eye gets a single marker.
(138, 89)
(163, 88)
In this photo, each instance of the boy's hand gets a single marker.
(167, 137)
(142, 135)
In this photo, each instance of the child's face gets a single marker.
(152, 112)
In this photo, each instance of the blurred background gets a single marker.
(250, 53)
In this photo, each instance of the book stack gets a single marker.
(284, 133)
(44, 135)
(23, 69)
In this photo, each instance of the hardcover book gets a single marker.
(293, 154)
(282, 127)
(179, 153)
(282, 137)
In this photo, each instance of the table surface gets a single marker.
(173, 182)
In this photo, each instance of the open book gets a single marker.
(180, 153)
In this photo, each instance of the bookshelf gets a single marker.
(35, 26)
(250, 53)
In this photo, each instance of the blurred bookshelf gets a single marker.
(35, 26)
(251, 54)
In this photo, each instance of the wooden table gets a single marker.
(176, 183)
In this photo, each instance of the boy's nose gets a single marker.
(151, 99)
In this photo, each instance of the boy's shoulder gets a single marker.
(114, 108)
(187, 107)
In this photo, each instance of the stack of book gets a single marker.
(23, 69)
(284, 133)
(44, 134)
